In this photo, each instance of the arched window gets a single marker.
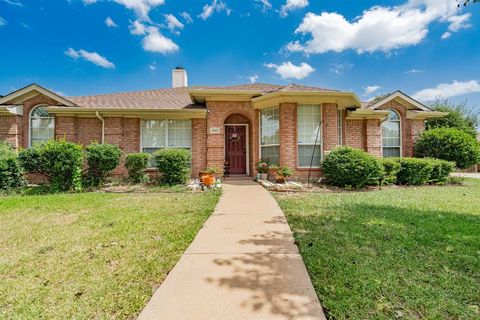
(42, 126)
(391, 135)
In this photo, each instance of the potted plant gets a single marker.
(272, 172)
(208, 176)
(283, 173)
(262, 168)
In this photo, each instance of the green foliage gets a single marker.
(173, 164)
(459, 116)
(448, 144)
(59, 161)
(380, 97)
(102, 159)
(391, 167)
(352, 168)
(136, 164)
(414, 171)
(441, 170)
(11, 171)
(285, 171)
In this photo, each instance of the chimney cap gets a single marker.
(179, 68)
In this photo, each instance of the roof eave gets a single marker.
(35, 87)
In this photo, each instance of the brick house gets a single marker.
(239, 124)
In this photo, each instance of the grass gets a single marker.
(92, 255)
(394, 253)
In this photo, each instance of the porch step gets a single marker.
(237, 177)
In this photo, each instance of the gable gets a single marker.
(400, 98)
(24, 94)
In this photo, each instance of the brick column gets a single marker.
(288, 144)
(330, 126)
(199, 145)
(374, 137)
(414, 129)
(355, 134)
(114, 131)
(9, 130)
(66, 128)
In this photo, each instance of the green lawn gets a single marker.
(92, 255)
(395, 253)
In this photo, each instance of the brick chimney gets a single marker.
(179, 78)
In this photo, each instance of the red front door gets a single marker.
(236, 148)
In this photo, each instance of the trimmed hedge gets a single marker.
(59, 161)
(448, 144)
(11, 171)
(102, 159)
(351, 168)
(391, 167)
(136, 164)
(414, 171)
(441, 170)
(173, 164)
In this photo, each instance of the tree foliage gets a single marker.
(460, 116)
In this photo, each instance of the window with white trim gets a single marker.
(309, 120)
(159, 134)
(42, 126)
(391, 135)
(270, 135)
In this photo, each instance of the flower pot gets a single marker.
(208, 180)
(279, 178)
(263, 176)
(272, 173)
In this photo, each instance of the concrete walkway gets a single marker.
(243, 264)
(466, 175)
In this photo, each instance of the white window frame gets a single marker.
(319, 142)
(400, 132)
(260, 133)
(30, 122)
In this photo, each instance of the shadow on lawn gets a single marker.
(270, 276)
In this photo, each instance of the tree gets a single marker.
(459, 116)
(466, 2)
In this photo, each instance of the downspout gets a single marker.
(103, 125)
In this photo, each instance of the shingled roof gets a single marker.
(178, 98)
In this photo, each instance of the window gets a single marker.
(270, 135)
(391, 140)
(42, 126)
(309, 135)
(158, 134)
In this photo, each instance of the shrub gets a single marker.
(136, 164)
(448, 144)
(349, 167)
(11, 171)
(102, 159)
(173, 164)
(441, 170)
(59, 161)
(414, 171)
(391, 167)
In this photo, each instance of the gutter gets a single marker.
(103, 125)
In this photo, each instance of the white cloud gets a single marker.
(186, 16)
(140, 7)
(110, 23)
(3, 22)
(292, 5)
(447, 90)
(341, 68)
(253, 78)
(153, 66)
(154, 41)
(368, 90)
(457, 23)
(14, 3)
(172, 22)
(215, 6)
(137, 28)
(93, 57)
(265, 5)
(412, 71)
(288, 70)
(379, 28)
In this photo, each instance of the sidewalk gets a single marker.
(243, 264)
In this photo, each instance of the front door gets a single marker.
(236, 148)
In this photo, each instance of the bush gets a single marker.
(11, 171)
(348, 167)
(391, 167)
(414, 171)
(441, 170)
(449, 144)
(59, 161)
(173, 164)
(136, 164)
(102, 159)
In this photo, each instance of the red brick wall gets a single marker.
(88, 130)
(288, 134)
(199, 145)
(355, 134)
(10, 129)
(330, 126)
(373, 136)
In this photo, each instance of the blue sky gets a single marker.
(426, 48)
